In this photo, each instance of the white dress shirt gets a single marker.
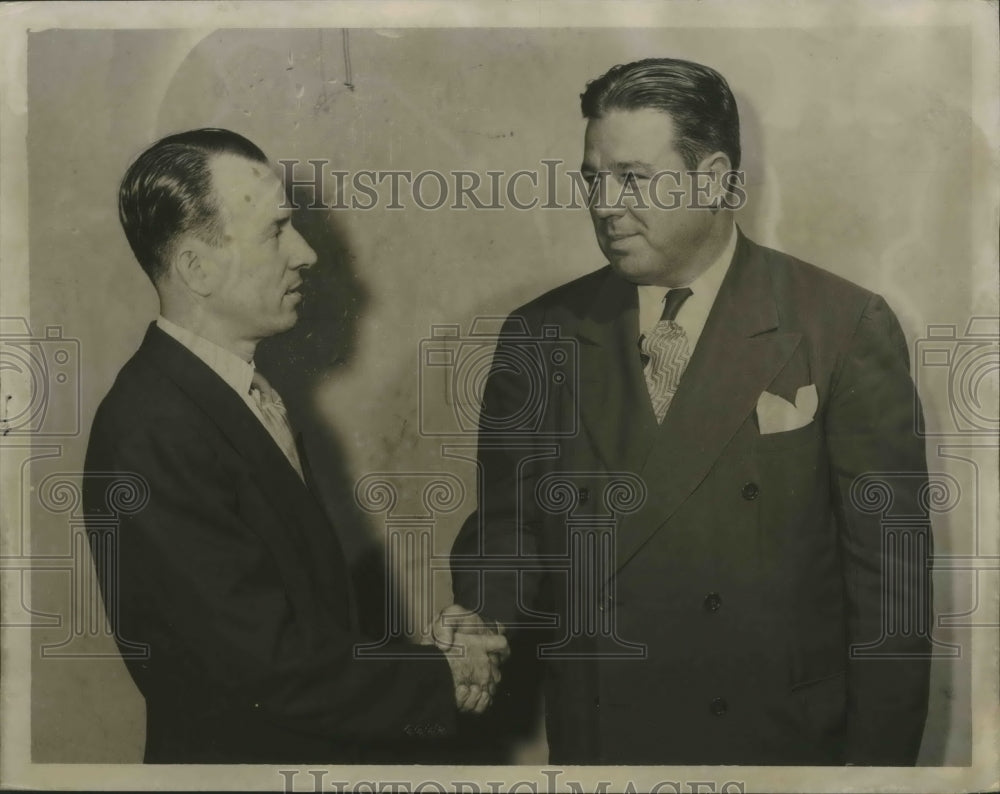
(236, 372)
(694, 311)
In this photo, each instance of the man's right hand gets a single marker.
(475, 651)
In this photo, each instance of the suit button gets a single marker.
(750, 491)
(712, 602)
(583, 495)
(718, 707)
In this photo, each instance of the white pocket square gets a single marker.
(776, 415)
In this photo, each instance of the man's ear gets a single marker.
(718, 164)
(194, 265)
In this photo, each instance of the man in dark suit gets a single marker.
(729, 408)
(231, 575)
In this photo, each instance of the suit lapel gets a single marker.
(313, 486)
(278, 481)
(740, 351)
(615, 410)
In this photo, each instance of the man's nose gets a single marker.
(605, 202)
(302, 254)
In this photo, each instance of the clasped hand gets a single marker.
(475, 650)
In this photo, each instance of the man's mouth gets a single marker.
(618, 240)
(616, 233)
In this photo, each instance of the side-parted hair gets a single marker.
(168, 191)
(697, 98)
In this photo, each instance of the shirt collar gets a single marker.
(227, 365)
(704, 288)
(709, 281)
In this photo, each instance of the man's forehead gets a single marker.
(241, 180)
(640, 134)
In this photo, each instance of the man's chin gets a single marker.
(632, 270)
(287, 323)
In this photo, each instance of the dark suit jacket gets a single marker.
(234, 578)
(744, 569)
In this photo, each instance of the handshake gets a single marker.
(475, 651)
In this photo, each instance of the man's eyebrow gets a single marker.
(277, 224)
(622, 165)
(634, 165)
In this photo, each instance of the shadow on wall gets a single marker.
(323, 342)
(758, 215)
(297, 362)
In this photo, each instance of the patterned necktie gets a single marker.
(666, 350)
(272, 410)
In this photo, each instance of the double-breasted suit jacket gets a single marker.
(725, 622)
(233, 578)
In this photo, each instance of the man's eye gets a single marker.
(631, 178)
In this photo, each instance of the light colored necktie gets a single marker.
(272, 410)
(666, 348)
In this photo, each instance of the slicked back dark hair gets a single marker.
(168, 191)
(697, 98)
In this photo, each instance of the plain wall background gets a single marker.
(860, 155)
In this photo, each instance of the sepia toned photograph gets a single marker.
(499, 397)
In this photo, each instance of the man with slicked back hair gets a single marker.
(227, 587)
